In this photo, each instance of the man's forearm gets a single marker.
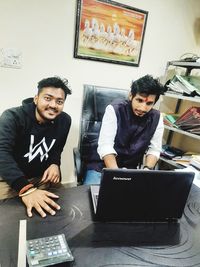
(110, 161)
(150, 161)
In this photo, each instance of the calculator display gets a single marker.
(48, 251)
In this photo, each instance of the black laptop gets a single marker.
(127, 195)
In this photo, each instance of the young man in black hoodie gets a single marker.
(32, 138)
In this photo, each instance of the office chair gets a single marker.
(95, 100)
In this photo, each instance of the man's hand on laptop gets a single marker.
(110, 161)
(42, 201)
(147, 168)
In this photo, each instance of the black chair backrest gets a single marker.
(95, 101)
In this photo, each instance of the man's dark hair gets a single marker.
(56, 82)
(147, 85)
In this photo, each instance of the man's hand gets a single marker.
(52, 174)
(150, 161)
(41, 201)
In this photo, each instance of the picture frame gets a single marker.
(109, 31)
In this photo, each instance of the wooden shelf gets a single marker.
(177, 96)
(182, 132)
(184, 64)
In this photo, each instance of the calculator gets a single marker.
(48, 251)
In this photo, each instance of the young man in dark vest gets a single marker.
(130, 129)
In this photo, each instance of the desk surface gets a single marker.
(103, 244)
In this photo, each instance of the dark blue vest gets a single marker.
(132, 138)
(133, 133)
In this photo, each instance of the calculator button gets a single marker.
(34, 262)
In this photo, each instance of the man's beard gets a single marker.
(44, 117)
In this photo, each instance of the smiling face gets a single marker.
(142, 104)
(49, 104)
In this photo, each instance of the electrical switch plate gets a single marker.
(10, 58)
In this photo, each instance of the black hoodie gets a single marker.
(28, 148)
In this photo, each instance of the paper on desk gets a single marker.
(196, 180)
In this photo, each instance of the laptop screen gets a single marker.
(141, 195)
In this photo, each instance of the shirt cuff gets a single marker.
(153, 152)
(106, 151)
(19, 183)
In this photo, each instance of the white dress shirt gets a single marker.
(108, 133)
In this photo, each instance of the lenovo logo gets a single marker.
(122, 178)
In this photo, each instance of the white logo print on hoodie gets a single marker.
(41, 148)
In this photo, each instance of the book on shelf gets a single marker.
(169, 119)
(190, 120)
(184, 85)
(180, 157)
(170, 152)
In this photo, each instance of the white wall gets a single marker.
(44, 31)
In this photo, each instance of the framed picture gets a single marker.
(109, 31)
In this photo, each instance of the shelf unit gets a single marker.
(189, 66)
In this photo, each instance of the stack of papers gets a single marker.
(184, 160)
(185, 85)
(195, 162)
(188, 158)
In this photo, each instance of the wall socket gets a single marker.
(10, 58)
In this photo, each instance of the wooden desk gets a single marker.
(98, 244)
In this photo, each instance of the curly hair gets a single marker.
(55, 82)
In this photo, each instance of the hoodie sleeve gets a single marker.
(9, 170)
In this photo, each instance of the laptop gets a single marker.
(127, 195)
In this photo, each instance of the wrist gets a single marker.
(29, 191)
(25, 188)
